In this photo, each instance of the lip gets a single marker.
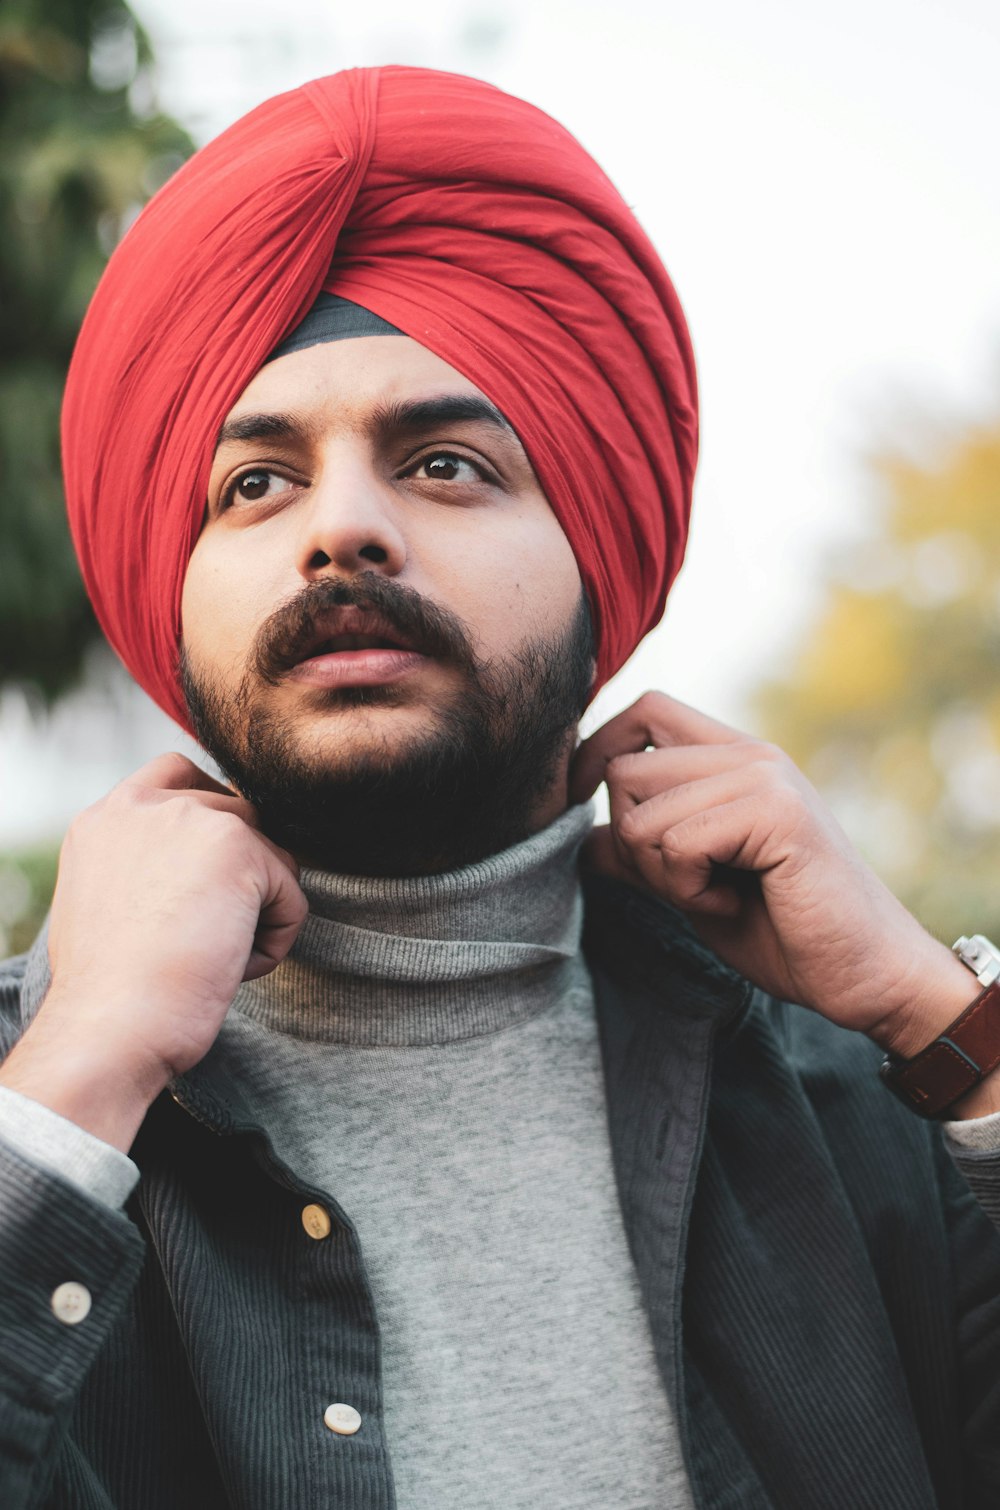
(357, 668)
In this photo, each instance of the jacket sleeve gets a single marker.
(68, 1264)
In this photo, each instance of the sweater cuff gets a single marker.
(975, 1135)
(60, 1146)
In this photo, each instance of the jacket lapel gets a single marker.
(768, 1324)
(661, 1001)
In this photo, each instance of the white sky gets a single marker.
(822, 184)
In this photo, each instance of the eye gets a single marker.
(252, 486)
(448, 466)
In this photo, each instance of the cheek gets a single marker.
(222, 604)
(513, 579)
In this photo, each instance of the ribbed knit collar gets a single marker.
(432, 959)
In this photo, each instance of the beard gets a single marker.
(464, 789)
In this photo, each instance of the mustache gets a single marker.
(291, 629)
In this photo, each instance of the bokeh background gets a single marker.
(822, 183)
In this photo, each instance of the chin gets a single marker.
(354, 728)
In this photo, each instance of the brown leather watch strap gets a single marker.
(964, 1053)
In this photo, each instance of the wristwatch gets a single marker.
(967, 1050)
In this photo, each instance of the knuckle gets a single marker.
(87, 820)
(630, 826)
(619, 766)
(167, 770)
(767, 774)
(175, 761)
(673, 845)
(229, 822)
(82, 821)
(220, 834)
(797, 805)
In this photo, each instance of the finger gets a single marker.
(285, 856)
(175, 772)
(652, 772)
(283, 911)
(695, 853)
(723, 897)
(640, 827)
(220, 802)
(186, 780)
(655, 719)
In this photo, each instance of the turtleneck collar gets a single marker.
(432, 959)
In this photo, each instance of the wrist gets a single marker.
(88, 1083)
(981, 1101)
(937, 989)
(944, 1046)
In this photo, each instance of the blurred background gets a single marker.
(822, 184)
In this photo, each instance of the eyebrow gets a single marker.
(447, 409)
(258, 427)
(391, 418)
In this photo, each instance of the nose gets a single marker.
(349, 523)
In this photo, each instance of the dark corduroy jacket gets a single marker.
(823, 1287)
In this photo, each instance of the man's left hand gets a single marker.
(729, 830)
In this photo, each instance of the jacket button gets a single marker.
(343, 1419)
(70, 1302)
(316, 1221)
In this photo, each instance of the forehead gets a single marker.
(344, 381)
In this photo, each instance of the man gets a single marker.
(378, 446)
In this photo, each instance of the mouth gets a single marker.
(338, 643)
(353, 647)
(345, 629)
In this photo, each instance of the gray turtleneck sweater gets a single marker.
(428, 1055)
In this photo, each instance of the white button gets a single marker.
(71, 1302)
(343, 1419)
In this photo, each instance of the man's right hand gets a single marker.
(168, 897)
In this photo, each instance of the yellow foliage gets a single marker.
(856, 664)
(892, 703)
(959, 493)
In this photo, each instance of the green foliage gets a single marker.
(82, 146)
(27, 880)
(892, 704)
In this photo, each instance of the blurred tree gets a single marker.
(27, 881)
(82, 146)
(892, 703)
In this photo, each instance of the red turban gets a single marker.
(468, 219)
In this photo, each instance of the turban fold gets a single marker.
(465, 217)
